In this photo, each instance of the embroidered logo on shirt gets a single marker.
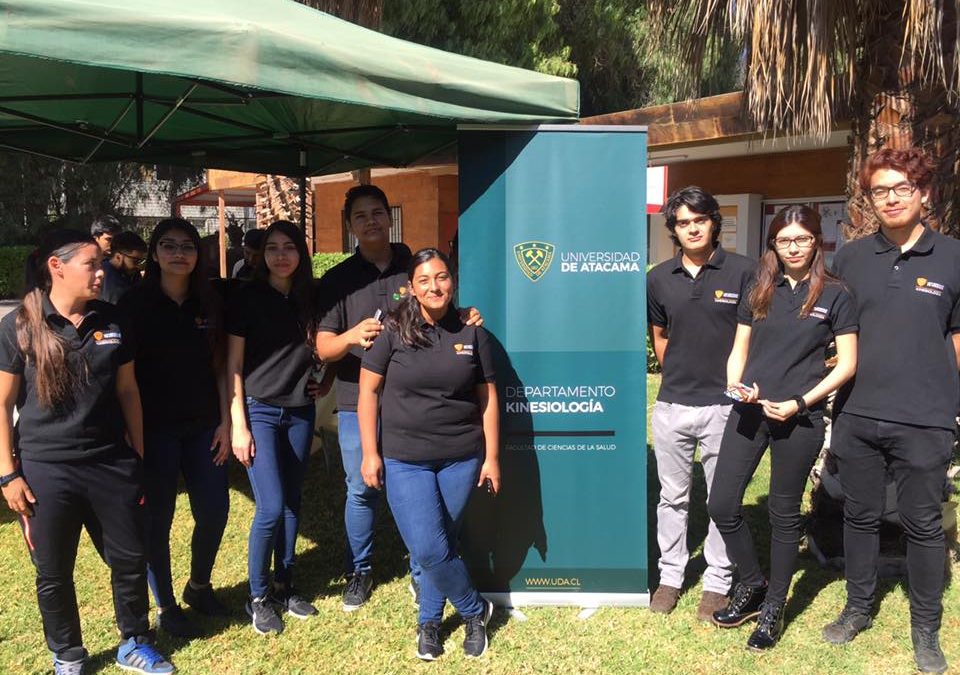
(924, 285)
(726, 297)
(402, 291)
(201, 323)
(109, 338)
(463, 350)
(819, 313)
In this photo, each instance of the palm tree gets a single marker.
(892, 67)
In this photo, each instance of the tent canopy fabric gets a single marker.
(261, 85)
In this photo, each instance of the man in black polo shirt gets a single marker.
(692, 302)
(373, 278)
(899, 414)
(121, 269)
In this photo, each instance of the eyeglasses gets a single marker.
(699, 220)
(802, 241)
(137, 260)
(881, 192)
(171, 248)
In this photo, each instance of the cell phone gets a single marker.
(488, 486)
(378, 315)
(736, 392)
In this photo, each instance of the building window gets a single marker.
(396, 229)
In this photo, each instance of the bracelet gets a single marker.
(801, 404)
(9, 478)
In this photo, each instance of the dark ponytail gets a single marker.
(56, 380)
(407, 319)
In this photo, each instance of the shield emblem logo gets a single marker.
(534, 258)
(98, 336)
(718, 294)
(921, 281)
(458, 347)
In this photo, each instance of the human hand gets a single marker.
(490, 471)
(364, 333)
(371, 469)
(471, 316)
(244, 449)
(19, 497)
(220, 447)
(781, 411)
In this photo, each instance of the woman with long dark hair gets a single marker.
(430, 377)
(795, 310)
(269, 361)
(66, 363)
(180, 355)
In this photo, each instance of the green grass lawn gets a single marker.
(379, 638)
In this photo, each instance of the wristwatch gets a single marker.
(9, 478)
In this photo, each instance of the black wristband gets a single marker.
(9, 478)
(801, 404)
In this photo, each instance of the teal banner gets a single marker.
(552, 245)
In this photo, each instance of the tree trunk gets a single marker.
(892, 110)
(367, 13)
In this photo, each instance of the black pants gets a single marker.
(794, 446)
(104, 493)
(918, 458)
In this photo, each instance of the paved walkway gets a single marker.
(7, 306)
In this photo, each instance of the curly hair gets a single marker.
(912, 163)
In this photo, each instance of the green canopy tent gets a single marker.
(269, 86)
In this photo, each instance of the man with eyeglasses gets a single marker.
(121, 269)
(899, 414)
(692, 302)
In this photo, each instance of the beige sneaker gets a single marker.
(711, 602)
(664, 599)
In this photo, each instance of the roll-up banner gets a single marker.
(552, 242)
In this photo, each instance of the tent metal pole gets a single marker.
(222, 215)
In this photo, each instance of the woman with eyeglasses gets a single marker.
(180, 355)
(270, 327)
(795, 310)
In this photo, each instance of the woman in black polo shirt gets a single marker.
(269, 361)
(431, 378)
(66, 362)
(177, 319)
(795, 309)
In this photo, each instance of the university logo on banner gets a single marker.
(534, 258)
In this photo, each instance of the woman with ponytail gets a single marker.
(180, 356)
(431, 378)
(269, 363)
(795, 310)
(66, 363)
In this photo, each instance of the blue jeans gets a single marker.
(165, 457)
(282, 437)
(428, 500)
(360, 510)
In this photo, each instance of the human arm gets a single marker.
(658, 336)
(845, 369)
(956, 347)
(471, 316)
(490, 409)
(737, 361)
(128, 395)
(241, 440)
(17, 493)
(334, 346)
(368, 406)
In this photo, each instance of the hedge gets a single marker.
(324, 261)
(12, 262)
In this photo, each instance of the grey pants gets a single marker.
(677, 429)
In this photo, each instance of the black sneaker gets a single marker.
(263, 613)
(357, 592)
(429, 646)
(475, 629)
(769, 628)
(292, 602)
(744, 605)
(174, 622)
(414, 589)
(204, 601)
(926, 650)
(846, 626)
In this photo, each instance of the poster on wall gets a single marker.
(552, 251)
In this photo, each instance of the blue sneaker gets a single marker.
(137, 654)
(71, 663)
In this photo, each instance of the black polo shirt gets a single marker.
(351, 292)
(174, 359)
(91, 424)
(429, 407)
(786, 353)
(116, 284)
(700, 317)
(276, 358)
(909, 306)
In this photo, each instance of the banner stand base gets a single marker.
(582, 600)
